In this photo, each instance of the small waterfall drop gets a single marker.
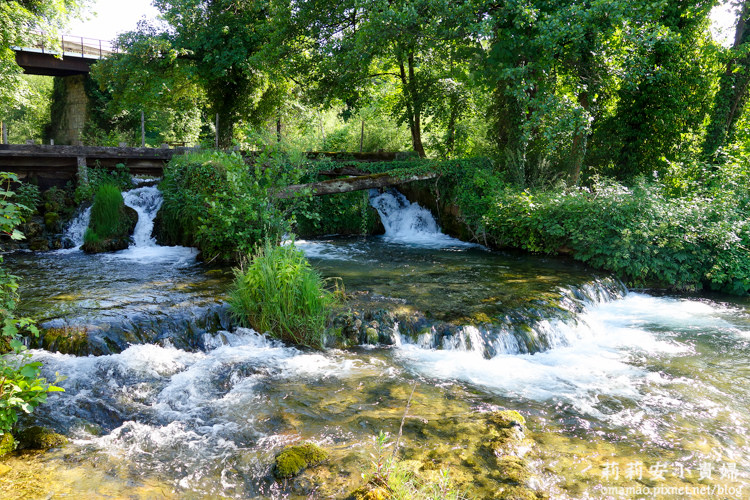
(76, 229)
(147, 202)
(410, 224)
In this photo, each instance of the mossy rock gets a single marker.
(127, 222)
(52, 221)
(7, 444)
(39, 245)
(519, 493)
(371, 492)
(294, 459)
(40, 438)
(506, 419)
(513, 470)
(66, 340)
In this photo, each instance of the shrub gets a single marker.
(636, 232)
(106, 221)
(280, 293)
(21, 387)
(27, 197)
(216, 202)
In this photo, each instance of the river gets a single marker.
(620, 389)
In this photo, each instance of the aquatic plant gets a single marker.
(111, 221)
(280, 293)
(390, 478)
(294, 459)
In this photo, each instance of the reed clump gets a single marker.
(279, 293)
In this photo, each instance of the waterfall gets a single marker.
(75, 230)
(408, 223)
(147, 202)
(528, 331)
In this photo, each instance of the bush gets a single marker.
(636, 232)
(21, 387)
(27, 197)
(106, 221)
(280, 293)
(216, 202)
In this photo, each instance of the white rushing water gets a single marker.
(146, 201)
(599, 354)
(76, 229)
(410, 224)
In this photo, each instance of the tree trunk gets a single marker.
(413, 106)
(334, 186)
(732, 95)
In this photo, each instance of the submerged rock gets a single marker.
(294, 459)
(40, 438)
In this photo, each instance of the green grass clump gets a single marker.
(280, 293)
(105, 214)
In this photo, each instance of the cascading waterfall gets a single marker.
(409, 223)
(76, 229)
(146, 201)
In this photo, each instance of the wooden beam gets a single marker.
(334, 186)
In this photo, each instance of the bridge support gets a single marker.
(69, 109)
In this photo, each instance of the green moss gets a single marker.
(294, 459)
(513, 470)
(40, 438)
(506, 419)
(7, 444)
(518, 493)
(52, 221)
(66, 340)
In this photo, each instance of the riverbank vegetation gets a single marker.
(278, 292)
(22, 388)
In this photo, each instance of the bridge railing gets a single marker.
(75, 46)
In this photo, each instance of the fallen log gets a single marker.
(334, 186)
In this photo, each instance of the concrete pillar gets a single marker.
(83, 171)
(69, 122)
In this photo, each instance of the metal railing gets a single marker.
(75, 46)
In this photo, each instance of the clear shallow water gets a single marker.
(626, 378)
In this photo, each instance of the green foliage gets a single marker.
(30, 117)
(638, 233)
(280, 293)
(95, 177)
(20, 21)
(27, 196)
(225, 207)
(21, 387)
(106, 221)
(390, 478)
(294, 459)
(345, 213)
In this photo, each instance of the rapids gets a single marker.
(178, 403)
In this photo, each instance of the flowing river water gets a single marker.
(620, 389)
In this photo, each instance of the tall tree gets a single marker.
(354, 45)
(733, 87)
